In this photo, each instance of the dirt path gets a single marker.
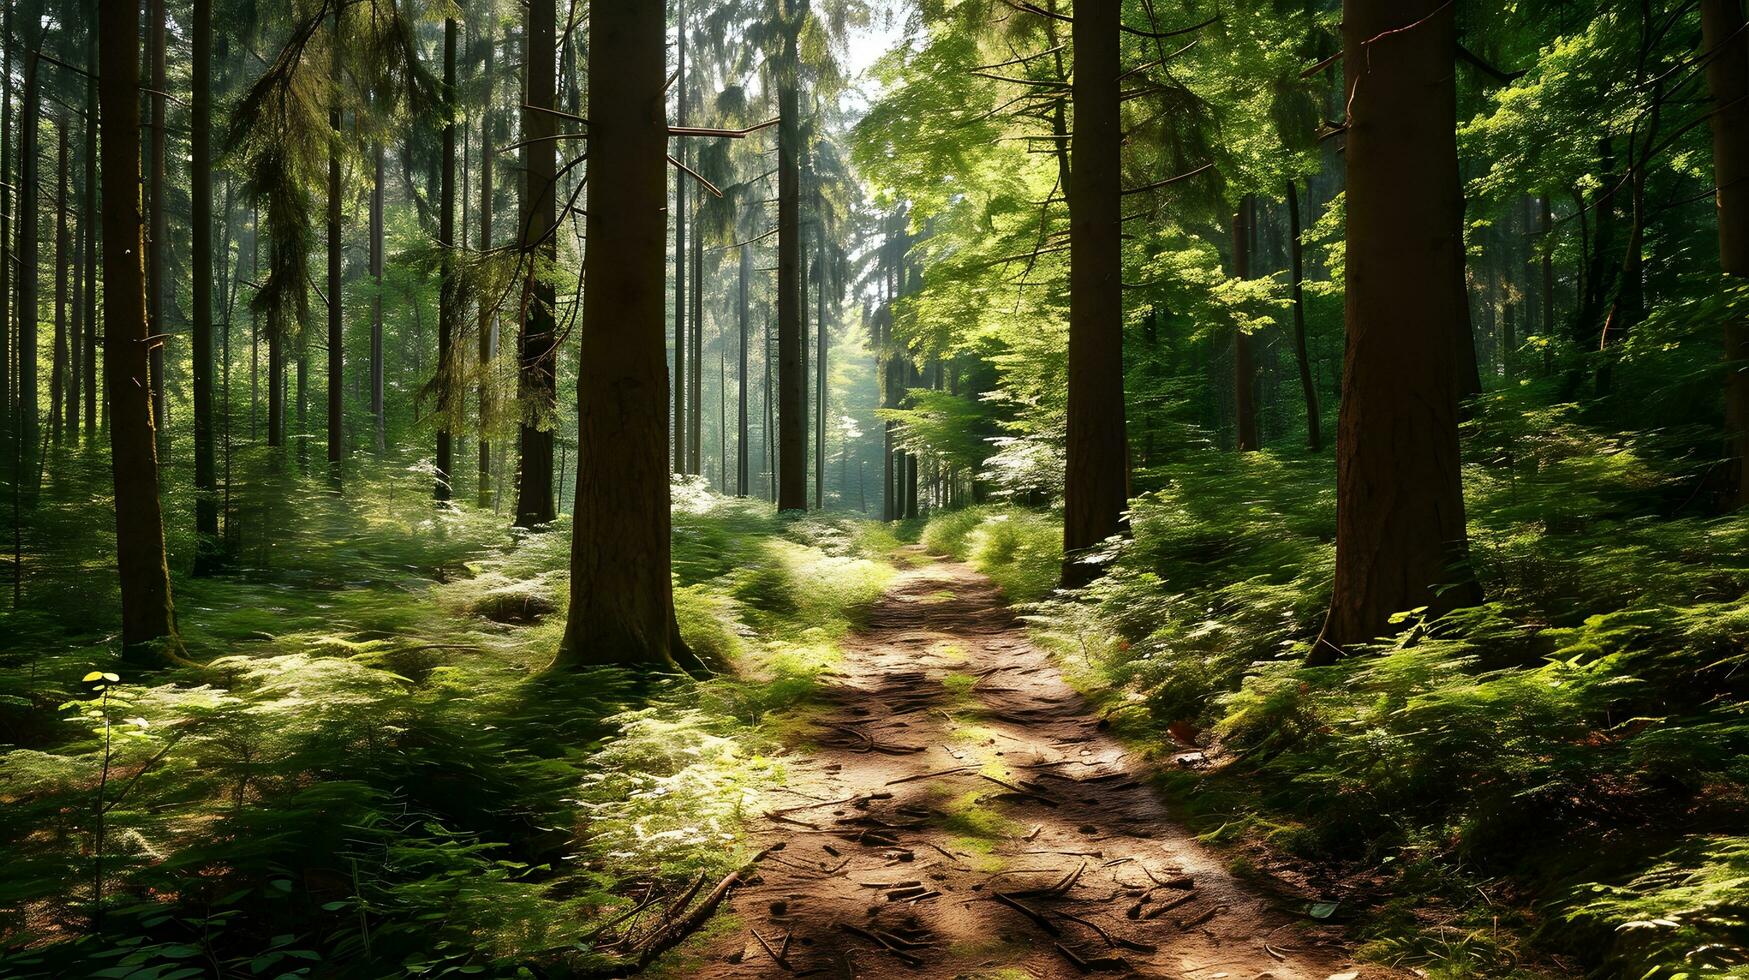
(959, 813)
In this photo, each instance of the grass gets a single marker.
(1552, 781)
(375, 775)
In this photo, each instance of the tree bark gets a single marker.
(336, 297)
(792, 472)
(63, 251)
(538, 379)
(1244, 358)
(820, 275)
(1296, 254)
(681, 284)
(448, 316)
(9, 205)
(376, 302)
(91, 226)
(1096, 485)
(488, 326)
(207, 549)
(622, 607)
(29, 231)
(1400, 536)
(741, 462)
(158, 238)
(1727, 77)
(148, 613)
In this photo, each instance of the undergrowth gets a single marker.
(1557, 776)
(374, 775)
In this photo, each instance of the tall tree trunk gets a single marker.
(29, 231)
(336, 297)
(1296, 258)
(792, 473)
(681, 283)
(538, 382)
(622, 604)
(1244, 357)
(770, 444)
(487, 346)
(158, 237)
(76, 323)
(1400, 535)
(148, 614)
(695, 427)
(820, 272)
(741, 468)
(1096, 486)
(10, 204)
(376, 303)
(1548, 284)
(1727, 76)
(63, 252)
(91, 225)
(448, 316)
(207, 549)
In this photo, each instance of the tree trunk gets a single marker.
(1548, 285)
(488, 325)
(90, 225)
(63, 252)
(1244, 358)
(76, 324)
(695, 426)
(1096, 486)
(29, 218)
(820, 273)
(376, 302)
(622, 605)
(1727, 76)
(448, 316)
(792, 473)
(9, 205)
(148, 613)
(741, 467)
(158, 238)
(1296, 253)
(538, 381)
(336, 298)
(681, 284)
(206, 504)
(1400, 536)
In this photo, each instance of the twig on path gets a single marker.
(774, 954)
(930, 775)
(904, 957)
(1037, 917)
(670, 935)
(1115, 942)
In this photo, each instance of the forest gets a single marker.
(975, 489)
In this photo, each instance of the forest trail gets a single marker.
(957, 812)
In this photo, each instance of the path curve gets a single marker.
(958, 812)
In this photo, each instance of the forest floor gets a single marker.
(956, 809)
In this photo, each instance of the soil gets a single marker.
(958, 812)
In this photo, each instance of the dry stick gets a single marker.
(1074, 960)
(769, 951)
(668, 938)
(1116, 942)
(1159, 910)
(1037, 918)
(907, 958)
(930, 775)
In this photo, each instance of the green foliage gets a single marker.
(1020, 550)
(376, 776)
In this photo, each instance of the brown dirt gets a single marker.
(958, 812)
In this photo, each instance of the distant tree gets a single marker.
(448, 304)
(537, 346)
(207, 547)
